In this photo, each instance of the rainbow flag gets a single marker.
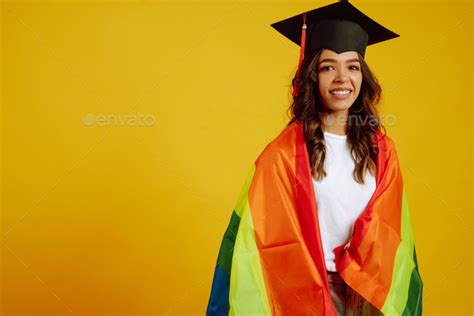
(271, 259)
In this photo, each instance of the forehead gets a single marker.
(329, 54)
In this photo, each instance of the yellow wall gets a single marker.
(119, 219)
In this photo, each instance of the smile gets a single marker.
(340, 92)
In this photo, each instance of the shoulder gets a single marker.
(384, 141)
(281, 146)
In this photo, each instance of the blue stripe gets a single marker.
(219, 301)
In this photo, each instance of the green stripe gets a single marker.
(414, 304)
(405, 284)
(247, 287)
(224, 259)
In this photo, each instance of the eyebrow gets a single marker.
(334, 61)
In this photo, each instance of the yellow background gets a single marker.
(127, 220)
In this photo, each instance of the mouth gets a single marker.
(340, 91)
(340, 94)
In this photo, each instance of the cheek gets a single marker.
(357, 80)
(324, 83)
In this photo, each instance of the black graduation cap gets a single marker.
(339, 27)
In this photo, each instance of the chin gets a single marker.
(339, 106)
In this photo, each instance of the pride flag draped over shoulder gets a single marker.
(271, 259)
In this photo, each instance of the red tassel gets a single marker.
(302, 46)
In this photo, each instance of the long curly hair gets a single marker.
(362, 123)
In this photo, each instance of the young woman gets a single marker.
(337, 101)
(322, 226)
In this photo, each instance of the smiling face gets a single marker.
(340, 79)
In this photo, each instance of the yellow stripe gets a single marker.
(247, 294)
(403, 267)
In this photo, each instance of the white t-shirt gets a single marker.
(339, 198)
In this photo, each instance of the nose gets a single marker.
(341, 76)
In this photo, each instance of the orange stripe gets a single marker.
(293, 275)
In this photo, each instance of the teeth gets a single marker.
(341, 92)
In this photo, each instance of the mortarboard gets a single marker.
(339, 27)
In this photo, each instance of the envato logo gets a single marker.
(115, 120)
(355, 120)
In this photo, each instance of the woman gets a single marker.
(322, 225)
(341, 120)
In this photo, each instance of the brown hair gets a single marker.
(362, 123)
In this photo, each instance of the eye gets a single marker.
(324, 68)
(355, 67)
